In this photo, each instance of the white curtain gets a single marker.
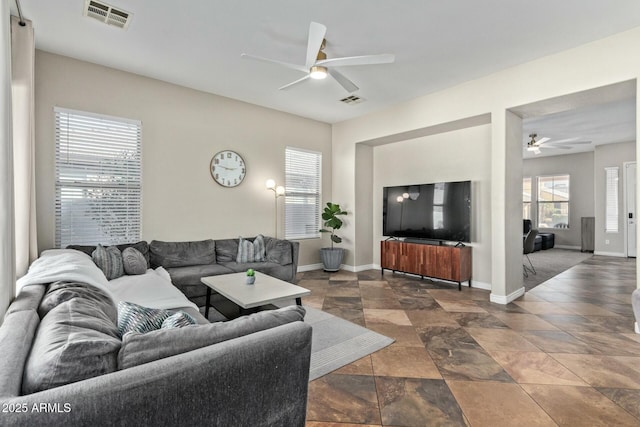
(22, 71)
(7, 259)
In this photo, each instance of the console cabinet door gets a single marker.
(409, 257)
(390, 255)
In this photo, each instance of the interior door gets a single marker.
(630, 185)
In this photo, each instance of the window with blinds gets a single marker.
(303, 193)
(98, 179)
(611, 197)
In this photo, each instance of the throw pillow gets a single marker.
(143, 348)
(74, 341)
(61, 291)
(178, 320)
(249, 251)
(279, 251)
(109, 260)
(136, 318)
(133, 261)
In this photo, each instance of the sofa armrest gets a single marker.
(295, 252)
(259, 379)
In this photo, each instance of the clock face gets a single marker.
(228, 168)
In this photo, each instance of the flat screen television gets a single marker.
(438, 211)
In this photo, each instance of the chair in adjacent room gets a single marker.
(529, 244)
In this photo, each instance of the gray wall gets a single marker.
(181, 131)
(607, 156)
(580, 168)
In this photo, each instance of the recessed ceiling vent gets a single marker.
(108, 14)
(351, 100)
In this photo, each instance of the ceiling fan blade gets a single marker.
(385, 58)
(542, 141)
(575, 142)
(347, 84)
(287, 86)
(549, 146)
(274, 61)
(316, 36)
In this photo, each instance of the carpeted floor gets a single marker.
(550, 263)
(337, 342)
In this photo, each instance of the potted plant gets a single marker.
(251, 276)
(332, 257)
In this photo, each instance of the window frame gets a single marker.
(539, 203)
(612, 207)
(291, 194)
(98, 171)
(529, 202)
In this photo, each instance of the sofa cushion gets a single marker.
(191, 275)
(226, 250)
(278, 251)
(182, 254)
(61, 291)
(143, 348)
(74, 341)
(109, 260)
(133, 262)
(251, 251)
(142, 246)
(270, 268)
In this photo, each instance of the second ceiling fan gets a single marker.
(548, 143)
(317, 66)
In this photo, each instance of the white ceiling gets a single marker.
(197, 43)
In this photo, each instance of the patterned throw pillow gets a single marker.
(251, 251)
(109, 260)
(136, 318)
(134, 262)
(178, 320)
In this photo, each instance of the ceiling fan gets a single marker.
(545, 143)
(317, 66)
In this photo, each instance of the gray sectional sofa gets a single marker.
(63, 362)
(187, 262)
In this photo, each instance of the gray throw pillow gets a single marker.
(144, 348)
(249, 251)
(74, 341)
(133, 262)
(109, 260)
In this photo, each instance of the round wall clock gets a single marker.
(228, 168)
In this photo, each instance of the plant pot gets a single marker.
(251, 280)
(331, 258)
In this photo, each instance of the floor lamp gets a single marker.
(277, 192)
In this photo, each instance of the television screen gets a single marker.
(437, 211)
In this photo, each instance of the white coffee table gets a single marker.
(265, 290)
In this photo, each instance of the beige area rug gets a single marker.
(337, 342)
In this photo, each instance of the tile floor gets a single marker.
(563, 354)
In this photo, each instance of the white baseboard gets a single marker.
(616, 254)
(573, 248)
(480, 285)
(358, 268)
(504, 300)
(636, 328)
(309, 267)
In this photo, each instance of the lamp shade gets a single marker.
(270, 184)
(280, 190)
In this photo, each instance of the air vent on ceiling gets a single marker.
(352, 100)
(108, 14)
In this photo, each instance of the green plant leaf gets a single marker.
(336, 239)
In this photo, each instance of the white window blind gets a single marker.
(303, 193)
(611, 208)
(98, 178)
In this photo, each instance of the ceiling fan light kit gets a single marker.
(317, 66)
